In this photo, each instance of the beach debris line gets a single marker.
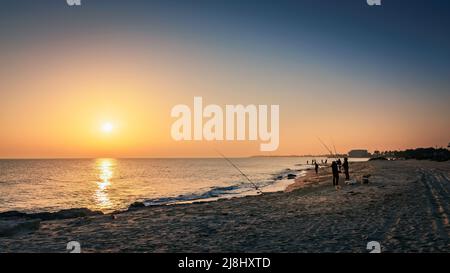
(47, 216)
(258, 190)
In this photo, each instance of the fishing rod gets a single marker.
(334, 147)
(243, 174)
(326, 147)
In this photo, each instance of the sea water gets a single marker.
(108, 184)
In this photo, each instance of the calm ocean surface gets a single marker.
(113, 184)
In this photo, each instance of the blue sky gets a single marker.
(406, 38)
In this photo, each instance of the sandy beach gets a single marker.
(405, 207)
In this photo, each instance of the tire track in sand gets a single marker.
(437, 198)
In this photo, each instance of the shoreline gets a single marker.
(324, 176)
(402, 208)
(205, 197)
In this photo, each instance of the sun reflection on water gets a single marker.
(104, 168)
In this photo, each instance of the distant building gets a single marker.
(359, 153)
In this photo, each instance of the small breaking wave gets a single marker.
(214, 192)
(278, 182)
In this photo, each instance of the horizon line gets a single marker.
(155, 157)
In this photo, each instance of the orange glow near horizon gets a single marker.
(117, 103)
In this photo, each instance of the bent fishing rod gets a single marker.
(334, 147)
(243, 174)
(326, 147)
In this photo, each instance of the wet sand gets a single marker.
(405, 207)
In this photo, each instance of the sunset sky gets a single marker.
(101, 79)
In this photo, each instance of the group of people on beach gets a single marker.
(316, 165)
(336, 168)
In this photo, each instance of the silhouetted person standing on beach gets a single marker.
(335, 170)
(316, 167)
(345, 166)
(339, 164)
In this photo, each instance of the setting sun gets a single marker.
(107, 127)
